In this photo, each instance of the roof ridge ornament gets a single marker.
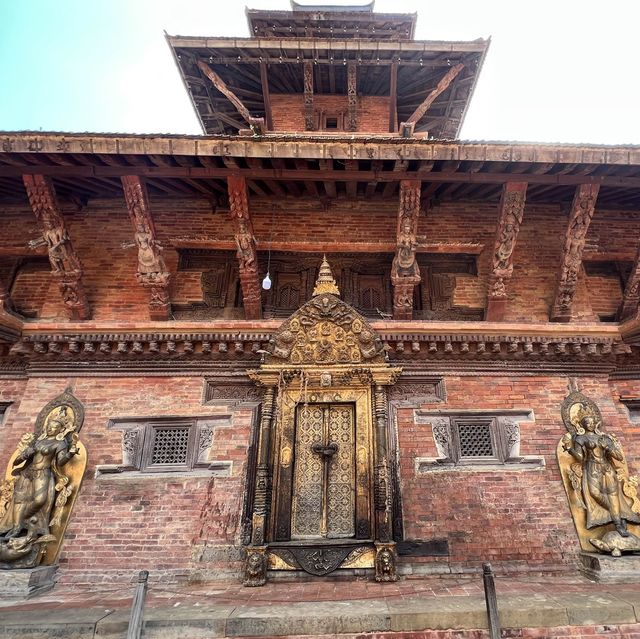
(325, 282)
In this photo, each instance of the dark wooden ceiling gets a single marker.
(82, 176)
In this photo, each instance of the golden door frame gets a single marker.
(287, 389)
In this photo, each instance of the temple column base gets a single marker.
(608, 569)
(27, 582)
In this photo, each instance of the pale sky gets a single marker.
(557, 70)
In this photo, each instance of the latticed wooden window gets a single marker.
(289, 296)
(169, 447)
(371, 298)
(477, 440)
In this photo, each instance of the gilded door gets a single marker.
(324, 475)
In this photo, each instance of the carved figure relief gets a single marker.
(385, 563)
(65, 264)
(41, 485)
(511, 213)
(580, 216)
(309, 123)
(405, 272)
(602, 496)
(352, 97)
(152, 271)
(246, 243)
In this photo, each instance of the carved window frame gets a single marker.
(138, 437)
(505, 440)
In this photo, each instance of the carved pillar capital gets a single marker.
(65, 264)
(582, 208)
(246, 242)
(152, 270)
(405, 272)
(511, 211)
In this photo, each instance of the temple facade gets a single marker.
(326, 335)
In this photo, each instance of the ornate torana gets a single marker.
(41, 484)
(405, 273)
(65, 264)
(246, 242)
(602, 495)
(326, 330)
(152, 271)
(510, 218)
(582, 209)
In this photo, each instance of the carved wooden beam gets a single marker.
(582, 208)
(266, 95)
(352, 97)
(631, 297)
(309, 118)
(406, 128)
(509, 219)
(256, 124)
(393, 97)
(405, 273)
(246, 242)
(152, 270)
(65, 264)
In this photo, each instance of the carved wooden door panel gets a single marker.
(324, 474)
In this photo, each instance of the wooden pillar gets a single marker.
(352, 97)
(65, 264)
(393, 98)
(510, 215)
(631, 297)
(309, 117)
(405, 273)
(582, 208)
(247, 254)
(382, 496)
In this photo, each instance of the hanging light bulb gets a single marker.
(266, 282)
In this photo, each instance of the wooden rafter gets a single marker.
(510, 214)
(582, 209)
(407, 127)
(266, 96)
(257, 124)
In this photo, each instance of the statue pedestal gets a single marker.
(27, 582)
(608, 569)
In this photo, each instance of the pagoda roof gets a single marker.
(329, 21)
(242, 63)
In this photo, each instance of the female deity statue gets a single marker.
(596, 479)
(35, 507)
(602, 495)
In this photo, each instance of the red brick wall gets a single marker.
(288, 111)
(123, 523)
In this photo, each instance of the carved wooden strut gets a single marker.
(309, 124)
(246, 242)
(352, 96)
(152, 271)
(631, 297)
(405, 272)
(509, 220)
(582, 209)
(65, 264)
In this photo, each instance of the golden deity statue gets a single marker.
(41, 484)
(601, 493)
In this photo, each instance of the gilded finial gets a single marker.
(325, 282)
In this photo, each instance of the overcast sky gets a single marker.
(557, 70)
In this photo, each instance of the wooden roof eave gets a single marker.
(184, 82)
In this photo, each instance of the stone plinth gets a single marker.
(28, 582)
(605, 568)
